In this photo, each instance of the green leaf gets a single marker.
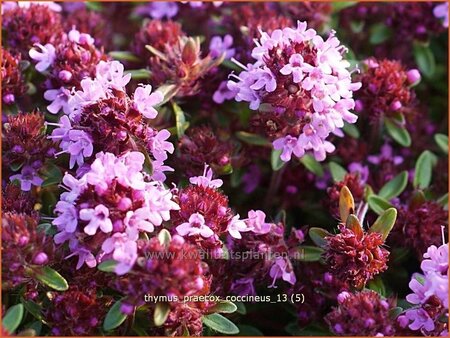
(241, 308)
(139, 74)
(164, 237)
(340, 5)
(312, 165)
(107, 266)
(395, 312)
(379, 33)
(394, 187)
(53, 175)
(398, 133)
(94, 6)
(12, 318)
(351, 130)
(161, 313)
(318, 235)
(231, 65)
(353, 224)
(168, 91)
(124, 56)
(384, 223)
(248, 330)
(220, 324)
(378, 204)
(223, 307)
(275, 160)
(424, 169)
(114, 318)
(442, 142)
(377, 285)
(180, 120)
(425, 59)
(337, 171)
(254, 139)
(310, 253)
(52, 278)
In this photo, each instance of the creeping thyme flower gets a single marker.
(304, 80)
(172, 269)
(13, 84)
(202, 145)
(28, 25)
(24, 248)
(74, 58)
(441, 11)
(78, 312)
(157, 34)
(386, 89)
(429, 313)
(355, 257)
(102, 117)
(26, 147)
(103, 212)
(182, 64)
(363, 313)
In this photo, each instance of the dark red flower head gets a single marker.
(74, 61)
(316, 14)
(13, 84)
(14, 200)
(355, 257)
(212, 205)
(157, 34)
(25, 141)
(363, 313)
(24, 248)
(385, 90)
(174, 270)
(26, 26)
(202, 145)
(183, 65)
(76, 312)
(92, 23)
(418, 226)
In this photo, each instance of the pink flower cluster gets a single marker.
(109, 83)
(430, 293)
(297, 72)
(103, 212)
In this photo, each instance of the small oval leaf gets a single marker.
(337, 171)
(312, 165)
(275, 160)
(354, 225)
(442, 142)
(398, 133)
(161, 313)
(220, 324)
(346, 203)
(114, 318)
(107, 266)
(318, 235)
(394, 187)
(13, 318)
(223, 307)
(378, 204)
(253, 139)
(385, 222)
(164, 237)
(310, 253)
(424, 169)
(52, 278)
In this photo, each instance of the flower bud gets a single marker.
(396, 105)
(413, 76)
(65, 75)
(40, 259)
(9, 99)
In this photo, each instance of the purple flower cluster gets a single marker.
(297, 72)
(430, 294)
(102, 212)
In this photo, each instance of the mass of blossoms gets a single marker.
(201, 168)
